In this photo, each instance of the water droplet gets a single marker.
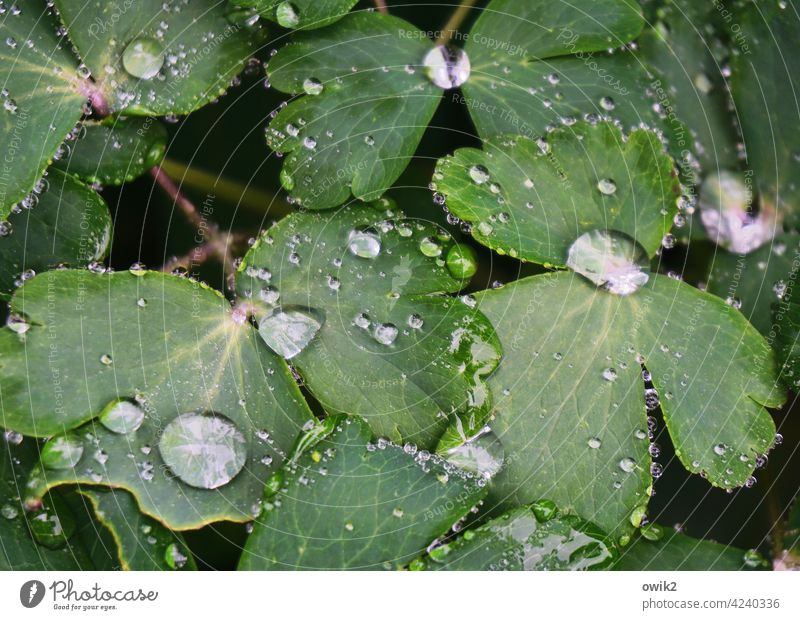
(365, 243)
(313, 86)
(462, 262)
(287, 15)
(720, 449)
(143, 58)
(106, 360)
(415, 321)
(122, 416)
(544, 510)
(204, 450)
(430, 247)
(607, 187)
(726, 201)
(385, 333)
(174, 557)
(62, 452)
(610, 259)
(478, 174)
(288, 331)
(607, 103)
(627, 465)
(609, 374)
(397, 512)
(482, 455)
(447, 67)
(594, 443)
(9, 512)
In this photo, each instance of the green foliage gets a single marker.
(352, 393)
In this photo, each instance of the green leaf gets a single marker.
(536, 65)
(533, 204)
(359, 133)
(70, 224)
(352, 504)
(674, 551)
(300, 14)
(116, 150)
(680, 49)
(155, 58)
(42, 99)
(753, 281)
(352, 297)
(570, 401)
(19, 550)
(165, 347)
(141, 543)
(764, 87)
(518, 540)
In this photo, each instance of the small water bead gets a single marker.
(779, 288)
(607, 103)
(627, 465)
(174, 557)
(702, 83)
(143, 58)
(365, 243)
(106, 360)
(607, 187)
(17, 324)
(288, 331)
(141, 302)
(62, 452)
(310, 142)
(610, 259)
(478, 174)
(5, 228)
(9, 512)
(122, 416)
(415, 321)
(313, 86)
(430, 247)
(287, 15)
(385, 333)
(447, 67)
(462, 262)
(609, 374)
(397, 512)
(204, 450)
(720, 449)
(594, 443)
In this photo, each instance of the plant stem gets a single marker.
(381, 6)
(233, 192)
(456, 19)
(219, 244)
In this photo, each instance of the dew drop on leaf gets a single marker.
(287, 15)
(174, 557)
(312, 86)
(288, 331)
(482, 455)
(430, 247)
(204, 450)
(62, 452)
(627, 465)
(607, 187)
(385, 333)
(364, 243)
(478, 174)
(610, 259)
(594, 443)
(143, 58)
(447, 67)
(122, 416)
(462, 261)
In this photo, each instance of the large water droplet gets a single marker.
(482, 455)
(726, 211)
(385, 333)
(610, 259)
(287, 15)
(143, 58)
(62, 452)
(479, 174)
(204, 450)
(312, 86)
(627, 465)
(175, 557)
(447, 67)
(122, 416)
(365, 243)
(462, 262)
(287, 331)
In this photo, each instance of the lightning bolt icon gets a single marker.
(33, 591)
